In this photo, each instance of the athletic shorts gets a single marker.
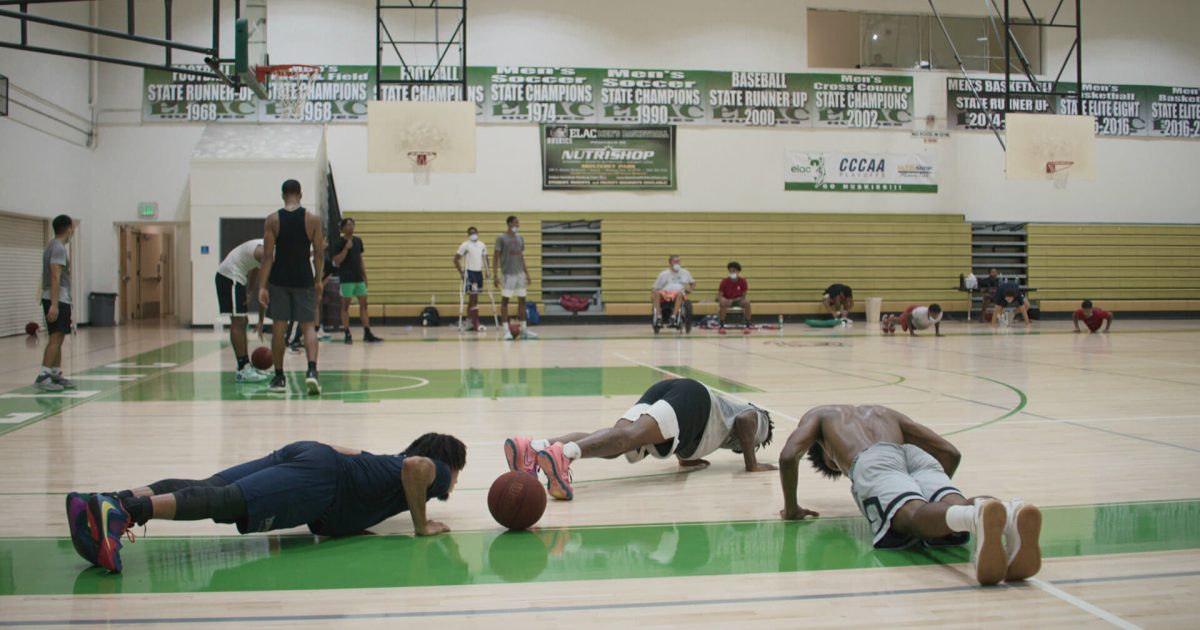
(680, 407)
(63, 323)
(473, 283)
(885, 476)
(292, 305)
(513, 285)
(292, 486)
(354, 289)
(668, 296)
(231, 297)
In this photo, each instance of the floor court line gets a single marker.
(735, 601)
(1083, 605)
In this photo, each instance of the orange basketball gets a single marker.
(262, 358)
(31, 328)
(517, 500)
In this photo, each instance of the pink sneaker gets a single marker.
(520, 455)
(558, 471)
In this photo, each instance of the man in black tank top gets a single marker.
(290, 290)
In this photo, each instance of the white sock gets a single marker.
(572, 451)
(539, 445)
(46, 370)
(960, 518)
(523, 325)
(56, 371)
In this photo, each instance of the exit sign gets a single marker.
(148, 210)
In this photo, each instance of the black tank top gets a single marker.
(292, 252)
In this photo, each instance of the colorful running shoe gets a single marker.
(112, 522)
(520, 455)
(557, 467)
(83, 529)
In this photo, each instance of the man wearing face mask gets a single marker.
(672, 285)
(732, 292)
(509, 260)
(475, 254)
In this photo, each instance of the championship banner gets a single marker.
(528, 94)
(652, 97)
(862, 101)
(759, 99)
(177, 97)
(340, 93)
(1120, 110)
(860, 172)
(608, 157)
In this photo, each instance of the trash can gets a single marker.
(874, 309)
(102, 309)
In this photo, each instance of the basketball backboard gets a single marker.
(1038, 140)
(250, 46)
(397, 128)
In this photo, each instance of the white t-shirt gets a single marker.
(474, 253)
(671, 280)
(240, 262)
(920, 318)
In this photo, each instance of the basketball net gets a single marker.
(422, 164)
(1059, 170)
(290, 87)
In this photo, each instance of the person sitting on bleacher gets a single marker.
(672, 285)
(732, 292)
(1008, 295)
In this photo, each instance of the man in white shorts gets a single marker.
(234, 274)
(680, 417)
(474, 253)
(509, 261)
(901, 483)
(672, 285)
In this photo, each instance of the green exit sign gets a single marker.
(148, 210)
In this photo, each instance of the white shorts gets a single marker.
(886, 476)
(668, 424)
(513, 285)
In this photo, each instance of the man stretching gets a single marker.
(901, 482)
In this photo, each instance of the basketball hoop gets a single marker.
(422, 164)
(293, 85)
(1059, 170)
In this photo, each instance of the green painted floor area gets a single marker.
(26, 405)
(376, 385)
(264, 563)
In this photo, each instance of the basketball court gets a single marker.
(903, 175)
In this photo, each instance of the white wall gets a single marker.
(719, 169)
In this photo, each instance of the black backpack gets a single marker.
(430, 317)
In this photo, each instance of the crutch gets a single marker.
(462, 287)
(491, 296)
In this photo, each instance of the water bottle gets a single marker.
(781, 321)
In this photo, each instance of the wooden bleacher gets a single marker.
(1120, 267)
(789, 258)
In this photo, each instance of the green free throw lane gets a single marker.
(265, 563)
(376, 385)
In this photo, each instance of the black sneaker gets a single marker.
(349, 338)
(278, 385)
(296, 347)
(370, 337)
(314, 385)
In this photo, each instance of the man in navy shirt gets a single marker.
(333, 490)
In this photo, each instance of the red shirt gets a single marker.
(733, 289)
(1093, 322)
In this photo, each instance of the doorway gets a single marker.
(147, 272)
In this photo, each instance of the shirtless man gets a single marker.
(901, 482)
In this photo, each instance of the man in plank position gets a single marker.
(901, 482)
(335, 491)
(680, 417)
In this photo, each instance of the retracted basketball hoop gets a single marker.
(293, 84)
(1059, 170)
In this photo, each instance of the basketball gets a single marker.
(514, 328)
(262, 358)
(516, 500)
(31, 328)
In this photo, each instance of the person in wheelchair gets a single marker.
(672, 286)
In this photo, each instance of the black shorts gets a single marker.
(231, 297)
(473, 283)
(292, 486)
(63, 323)
(692, 404)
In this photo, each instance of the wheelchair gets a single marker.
(683, 324)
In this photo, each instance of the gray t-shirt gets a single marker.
(512, 254)
(56, 254)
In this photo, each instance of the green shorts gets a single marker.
(354, 289)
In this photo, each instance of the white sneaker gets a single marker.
(508, 336)
(251, 374)
(528, 334)
(987, 530)
(1021, 539)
